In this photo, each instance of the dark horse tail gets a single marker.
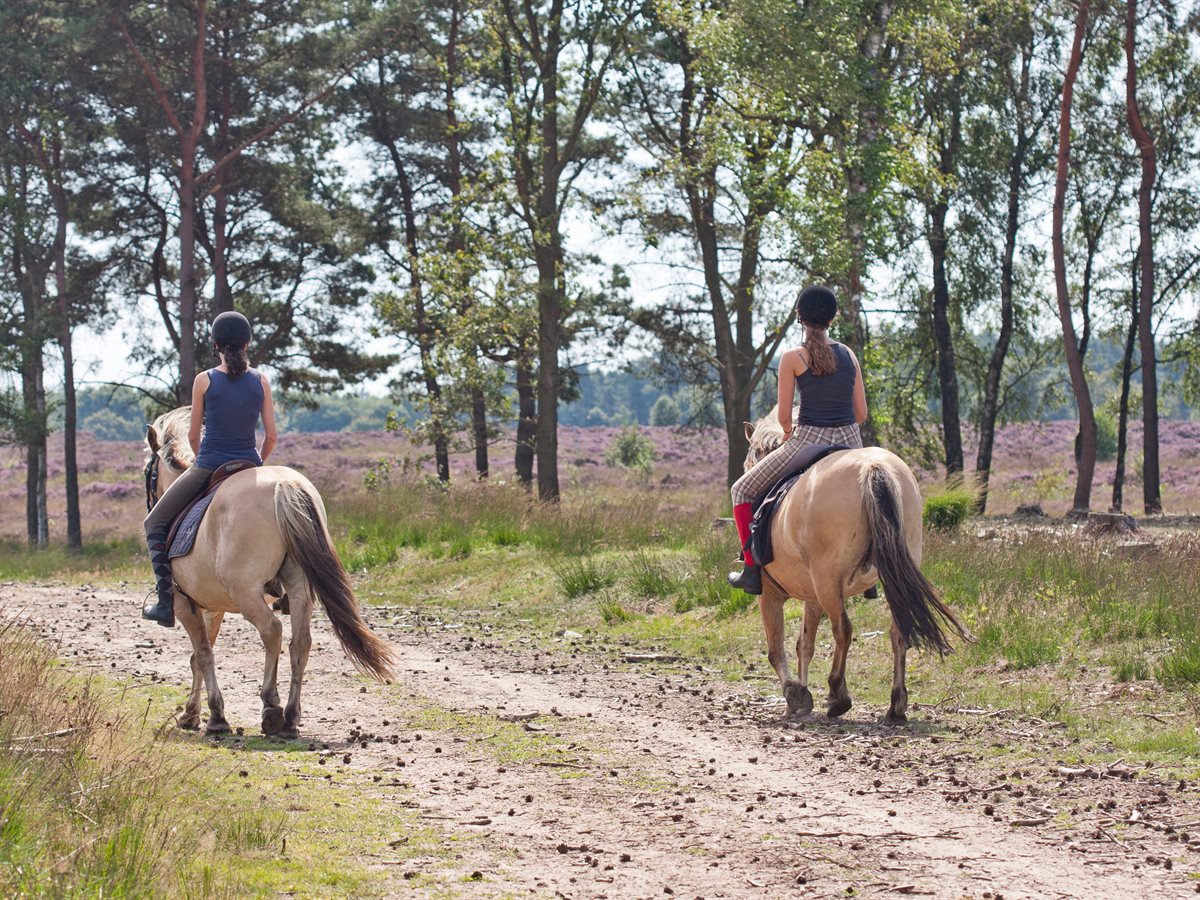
(302, 521)
(917, 609)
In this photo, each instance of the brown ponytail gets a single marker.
(821, 360)
(235, 357)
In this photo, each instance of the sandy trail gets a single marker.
(656, 779)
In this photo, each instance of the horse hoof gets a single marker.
(837, 707)
(895, 718)
(289, 733)
(188, 724)
(272, 720)
(221, 727)
(799, 699)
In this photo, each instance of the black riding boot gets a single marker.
(162, 612)
(749, 579)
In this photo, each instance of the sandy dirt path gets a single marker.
(658, 778)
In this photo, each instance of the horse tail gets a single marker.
(301, 518)
(917, 609)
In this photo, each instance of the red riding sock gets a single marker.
(742, 514)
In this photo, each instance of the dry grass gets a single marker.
(92, 801)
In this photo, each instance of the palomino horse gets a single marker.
(852, 520)
(264, 524)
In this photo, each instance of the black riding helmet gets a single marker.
(816, 305)
(231, 328)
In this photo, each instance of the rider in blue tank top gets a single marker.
(226, 404)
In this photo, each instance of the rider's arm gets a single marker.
(860, 393)
(268, 417)
(791, 364)
(199, 386)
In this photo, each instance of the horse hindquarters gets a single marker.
(301, 518)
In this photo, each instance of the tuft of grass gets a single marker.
(1180, 667)
(646, 575)
(124, 557)
(581, 575)
(948, 507)
(612, 611)
(1128, 665)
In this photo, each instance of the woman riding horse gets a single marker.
(227, 402)
(833, 403)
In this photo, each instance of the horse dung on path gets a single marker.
(853, 519)
(264, 524)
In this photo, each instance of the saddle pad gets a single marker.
(764, 508)
(185, 531)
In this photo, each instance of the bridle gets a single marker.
(151, 473)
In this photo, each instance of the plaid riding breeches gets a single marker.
(781, 462)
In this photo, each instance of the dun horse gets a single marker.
(852, 520)
(265, 525)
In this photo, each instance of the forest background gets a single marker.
(493, 206)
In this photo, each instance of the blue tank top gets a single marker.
(231, 410)
(827, 401)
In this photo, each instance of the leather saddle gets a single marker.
(182, 536)
(764, 508)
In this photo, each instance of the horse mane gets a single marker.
(172, 428)
(768, 434)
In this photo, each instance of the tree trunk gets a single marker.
(526, 423)
(70, 457)
(33, 395)
(222, 294)
(424, 333)
(549, 321)
(1126, 378)
(858, 186)
(995, 370)
(1083, 397)
(1151, 492)
(187, 276)
(479, 431)
(944, 341)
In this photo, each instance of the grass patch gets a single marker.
(124, 557)
(1180, 667)
(581, 575)
(948, 507)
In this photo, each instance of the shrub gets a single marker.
(948, 508)
(631, 449)
(665, 411)
(1106, 435)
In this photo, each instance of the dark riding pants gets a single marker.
(177, 496)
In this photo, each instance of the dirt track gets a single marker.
(657, 778)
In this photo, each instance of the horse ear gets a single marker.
(749, 428)
(152, 438)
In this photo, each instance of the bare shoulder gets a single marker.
(262, 379)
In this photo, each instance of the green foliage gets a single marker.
(947, 508)
(613, 612)
(646, 575)
(631, 449)
(665, 411)
(1180, 667)
(1106, 434)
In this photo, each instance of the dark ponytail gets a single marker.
(235, 357)
(821, 360)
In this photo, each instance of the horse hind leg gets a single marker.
(251, 605)
(835, 606)
(806, 644)
(298, 648)
(897, 713)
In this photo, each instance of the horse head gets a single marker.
(167, 439)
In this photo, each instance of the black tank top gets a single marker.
(827, 401)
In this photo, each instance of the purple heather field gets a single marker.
(1032, 464)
